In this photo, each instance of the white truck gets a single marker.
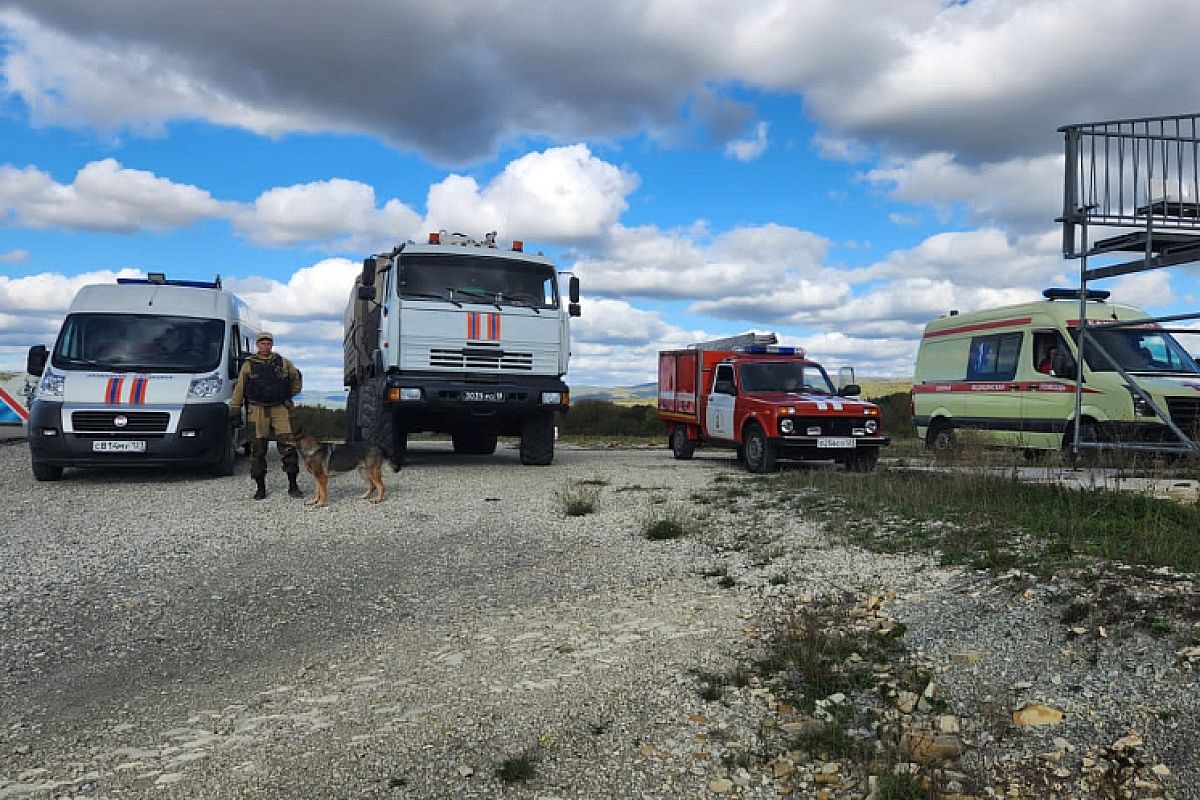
(461, 337)
(141, 375)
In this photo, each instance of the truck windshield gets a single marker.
(139, 343)
(1137, 350)
(784, 376)
(474, 279)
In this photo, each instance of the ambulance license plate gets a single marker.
(483, 397)
(836, 442)
(118, 446)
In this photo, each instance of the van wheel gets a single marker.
(1087, 433)
(760, 451)
(224, 465)
(682, 447)
(46, 472)
(940, 436)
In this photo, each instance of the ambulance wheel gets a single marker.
(223, 466)
(46, 472)
(940, 436)
(537, 440)
(681, 446)
(760, 451)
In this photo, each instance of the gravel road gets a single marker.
(161, 635)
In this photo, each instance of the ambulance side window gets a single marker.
(234, 363)
(994, 358)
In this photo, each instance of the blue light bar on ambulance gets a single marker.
(158, 279)
(772, 349)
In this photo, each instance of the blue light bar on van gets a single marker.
(1073, 294)
(163, 282)
(772, 349)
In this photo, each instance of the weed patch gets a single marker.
(579, 499)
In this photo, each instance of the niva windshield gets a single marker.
(784, 376)
(139, 343)
(471, 279)
(1137, 350)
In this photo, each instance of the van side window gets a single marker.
(994, 358)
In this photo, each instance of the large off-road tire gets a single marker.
(474, 442)
(223, 466)
(353, 434)
(537, 440)
(863, 459)
(682, 447)
(940, 436)
(46, 472)
(378, 424)
(760, 450)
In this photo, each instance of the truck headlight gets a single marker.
(51, 386)
(871, 426)
(786, 426)
(205, 387)
(552, 398)
(410, 393)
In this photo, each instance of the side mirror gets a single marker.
(573, 289)
(573, 309)
(35, 362)
(366, 292)
(850, 390)
(368, 273)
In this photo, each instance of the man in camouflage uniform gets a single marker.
(267, 382)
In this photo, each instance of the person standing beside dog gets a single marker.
(267, 382)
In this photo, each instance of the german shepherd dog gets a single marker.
(324, 460)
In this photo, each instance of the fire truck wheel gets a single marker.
(760, 451)
(681, 446)
(537, 440)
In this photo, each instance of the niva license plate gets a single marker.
(483, 397)
(118, 446)
(835, 442)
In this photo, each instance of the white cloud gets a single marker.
(103, 197)
(52, 292)
(749, 149)
(14, 256)
(320, 290)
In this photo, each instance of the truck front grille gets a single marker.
(104, 421)
(830, 426)
(480, 359)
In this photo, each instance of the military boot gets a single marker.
(293, 487)
(261, 493)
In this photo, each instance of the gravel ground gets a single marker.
(161, 635)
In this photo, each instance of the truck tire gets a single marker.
(353, 433)
(760, 450)
(682, 447)
(46, 472)
(862, 460)
(474, 443)
(940, 436)
(223, 466)
(377, 423)
(537, 440)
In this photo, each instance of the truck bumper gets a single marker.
(438, 404)
(198, 438)
(816, 448)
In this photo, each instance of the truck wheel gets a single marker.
(940, 436)
(223, 466)
(46, 472)
(353, 434)
(760, 451)
(377, 424)
(474, 443)
(863, 460)
(681, 446)
(537, 440)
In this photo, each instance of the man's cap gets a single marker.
(264, 337)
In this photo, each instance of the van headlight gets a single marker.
(1141, 408)
(205, 387)
(51, 386)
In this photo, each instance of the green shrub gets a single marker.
(605, 418)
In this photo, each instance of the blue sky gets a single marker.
(838, 173)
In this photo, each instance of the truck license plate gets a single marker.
(118, 446)
(483, 397)
(835, 441)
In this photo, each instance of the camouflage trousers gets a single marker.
(264, 419)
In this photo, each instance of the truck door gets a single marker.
(718, 415)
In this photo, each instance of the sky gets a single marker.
(837, 172)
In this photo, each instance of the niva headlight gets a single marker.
(205, 387)
(51, 386)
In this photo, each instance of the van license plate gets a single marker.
(483, 397)
(836, 441)
(118, 446)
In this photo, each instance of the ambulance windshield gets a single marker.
(1137, 350)
(784, 376)
(139, 343)
(475, 279)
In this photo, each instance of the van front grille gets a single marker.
(105, 421)
(1185, 412)
(480, 359)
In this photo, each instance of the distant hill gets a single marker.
(641, 393)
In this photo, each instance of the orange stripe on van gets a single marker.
(981, 326)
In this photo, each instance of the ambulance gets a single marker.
(141, 375)
(1009, 375)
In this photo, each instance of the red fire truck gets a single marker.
(766, 400)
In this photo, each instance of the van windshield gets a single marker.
(784, 376)
(1137, 350)
(139, 343)
(474, 279)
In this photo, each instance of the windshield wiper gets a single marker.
(484, 296)
(82, 362)
(430, 296)
(519, 300)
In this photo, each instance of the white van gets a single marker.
(1009, 374)
(141, 375)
